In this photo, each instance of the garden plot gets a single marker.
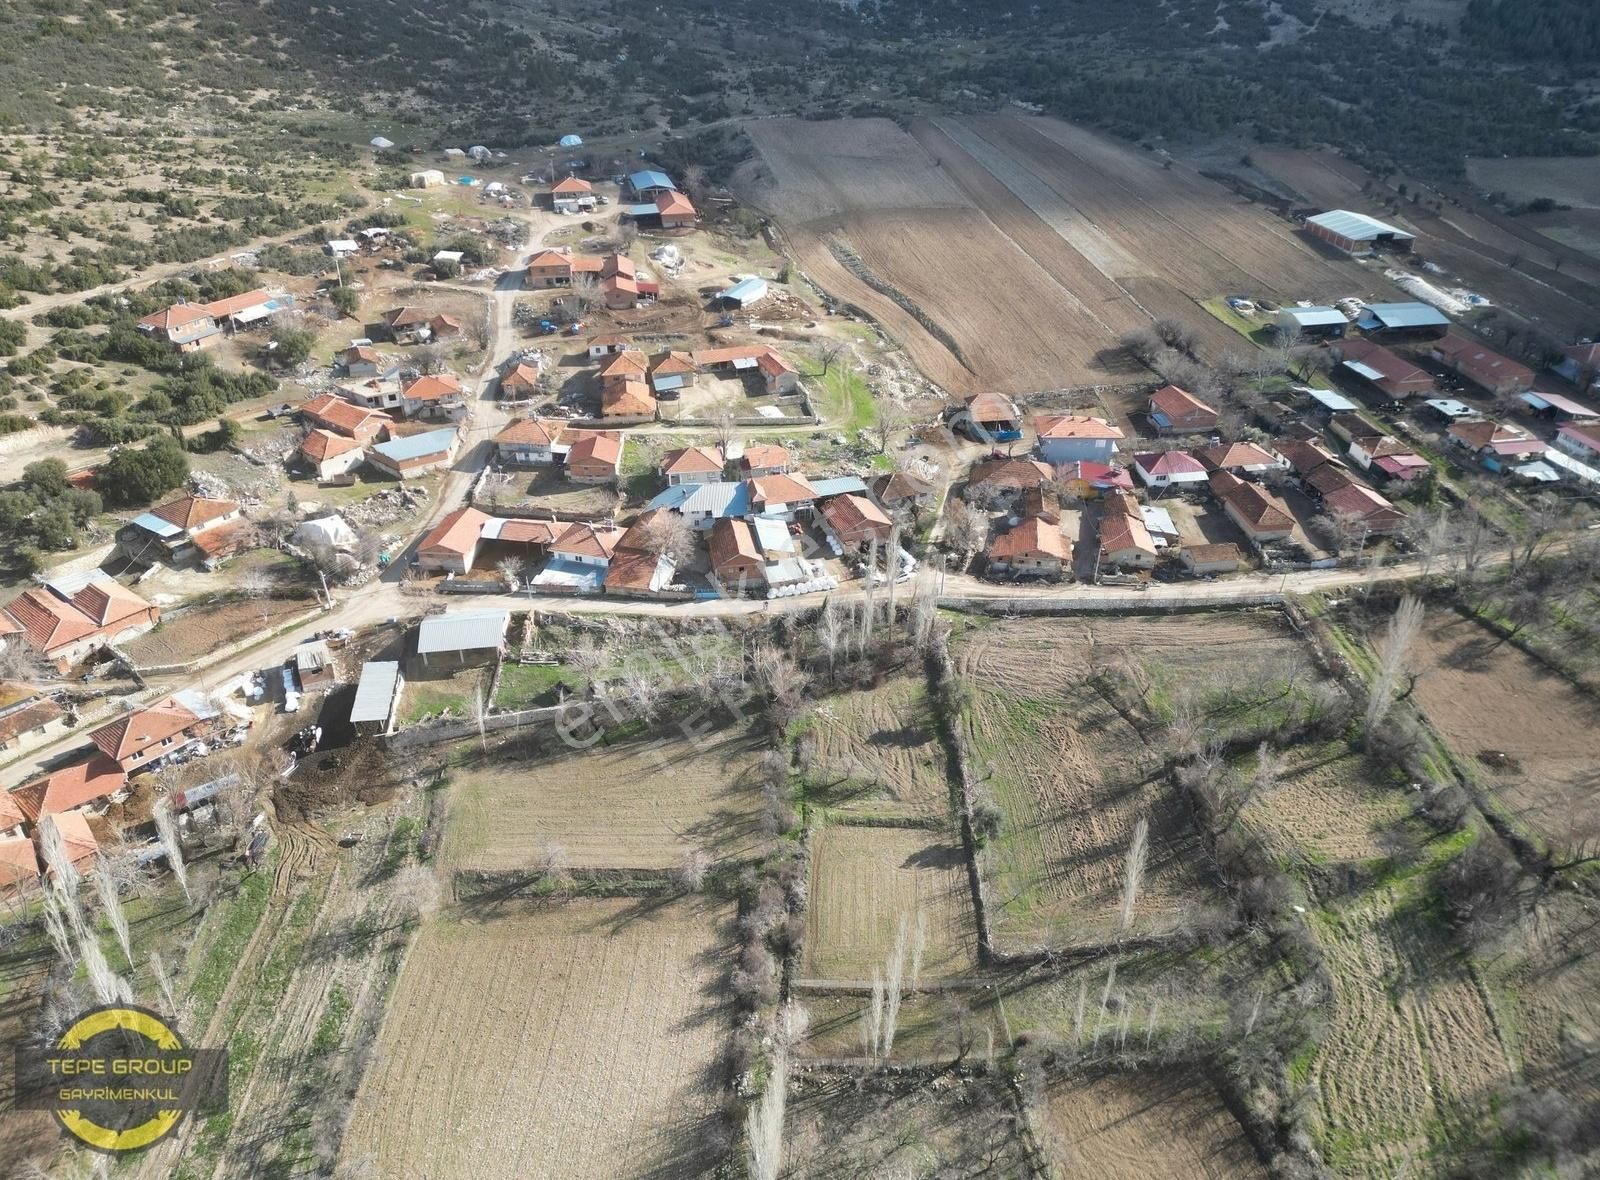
(199, 631)
(585, 1040)
(1073, 768)
(1136, 1126)
(877, 750)
(948, 1126)
(1521, 729)
(637, 805)
(865, 881)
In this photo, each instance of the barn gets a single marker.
(1356, 233)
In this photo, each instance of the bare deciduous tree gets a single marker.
(691, 870)
(1393, 656)
(831, 628)
(889, 419)
(966, 529)
(1133, 871)
(167, 832)
(105, 887)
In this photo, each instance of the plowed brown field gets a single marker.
(1495, 704)
(1030, 245)
(582, 1041)
(637, 805)
(1132, 1127)
(864, 881)
(883, 740)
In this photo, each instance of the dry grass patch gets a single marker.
(864, 881)
(1073, 768)
(1327, 807)
(201, 630)
(637, 805)
(882, 744)
(1137, 1126)
(582, 1041)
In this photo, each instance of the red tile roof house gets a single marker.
(1356, 503)
(1387, 371)
(437, 397)
(1089, 480)
(631, 400)
(1580, 439)
(1496, 444)
(587, 544)
(407, 325)
(1224, 558)
(1247, 457)
(520, 382)
(1034, 546)
(173, 529)
(142, 736)
(778, 376)
(571, 195)
(91, 785)
(676, 211)
(531, 442)
(362, 360)
(336, 414)
(1124, 538)
(1008, 475)
(736, 558)
(1580, 364)
(28, 717)
(1174, 410)
(77, 837)
(856, 521)
(187, 327)
(692, 465)
(66, 627)
(763, 459)
(557, 268)
(782, 496)
(1065, 438)
(451, 546)
(638, 564)
(1261, 515)
(19, 866)
(1166, 469)
(1486, 369)
(595, 456)
(603, 346)
(330, 455)
(13, 821)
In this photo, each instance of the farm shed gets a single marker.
(1420, 320)
(647, 184)
(1333, 403)
(1356, 233)
(744, 293)
(1553, 405)
(1581, 439)
(1318, 323)
(1386, 371)
(1483, 367)
(376, 694)
(415, 454)
(1211, 559)
(427, 178)
(314, 665)
(463, 636)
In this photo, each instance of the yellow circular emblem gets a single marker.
(133, 1026)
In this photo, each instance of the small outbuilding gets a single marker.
(463, 637)
(377, 694)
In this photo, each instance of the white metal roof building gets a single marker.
(376, 693)
(462, 632)
(1356, 233)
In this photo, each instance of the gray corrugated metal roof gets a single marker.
(151, 523)
(467, 631)
(1328, 399)
(671, 381)
(375, 692)
(838, 486)
(1358, 227)
(1449, 407)
(1407, 315)
(1366, 371)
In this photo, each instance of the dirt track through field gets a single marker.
(578, 1041)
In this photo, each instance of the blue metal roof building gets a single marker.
(1379, 316)
(415, 446)
(745, 292)
(647, 182)
(842, 485)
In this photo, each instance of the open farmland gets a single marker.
(636, 805)
(581, 1041)
(1571, 180)
(1073, 770)
(949, 1126)
(1328, 806)
(1411, 1050)
(980, 232)
(1135, 1126)
(865, 881)
(1524, 732)
(882, 742)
